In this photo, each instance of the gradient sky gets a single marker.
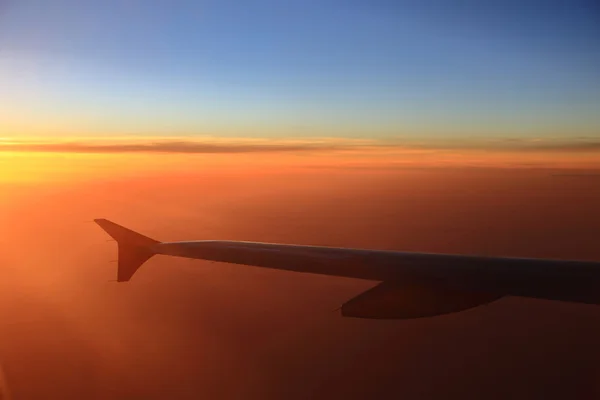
(269, 68)
(288, 100)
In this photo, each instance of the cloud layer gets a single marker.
(149, 146)
(235, 145)
(184, 330)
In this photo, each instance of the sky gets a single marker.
(431, 70)
(468, 127)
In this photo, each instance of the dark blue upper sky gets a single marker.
(315, 67)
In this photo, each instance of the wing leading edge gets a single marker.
(413, 284)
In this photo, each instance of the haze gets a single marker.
(388, 125)
(185, 329)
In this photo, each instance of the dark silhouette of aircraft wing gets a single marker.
(412, 285)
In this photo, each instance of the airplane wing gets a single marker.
(412, 284)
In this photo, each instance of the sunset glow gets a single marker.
(465, 128)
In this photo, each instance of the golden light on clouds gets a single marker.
(40, 160)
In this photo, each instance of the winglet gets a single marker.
(134, 248)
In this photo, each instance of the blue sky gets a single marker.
(292, 68)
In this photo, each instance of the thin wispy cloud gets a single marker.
(165, 147)
(210, 145)
(176, 145)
